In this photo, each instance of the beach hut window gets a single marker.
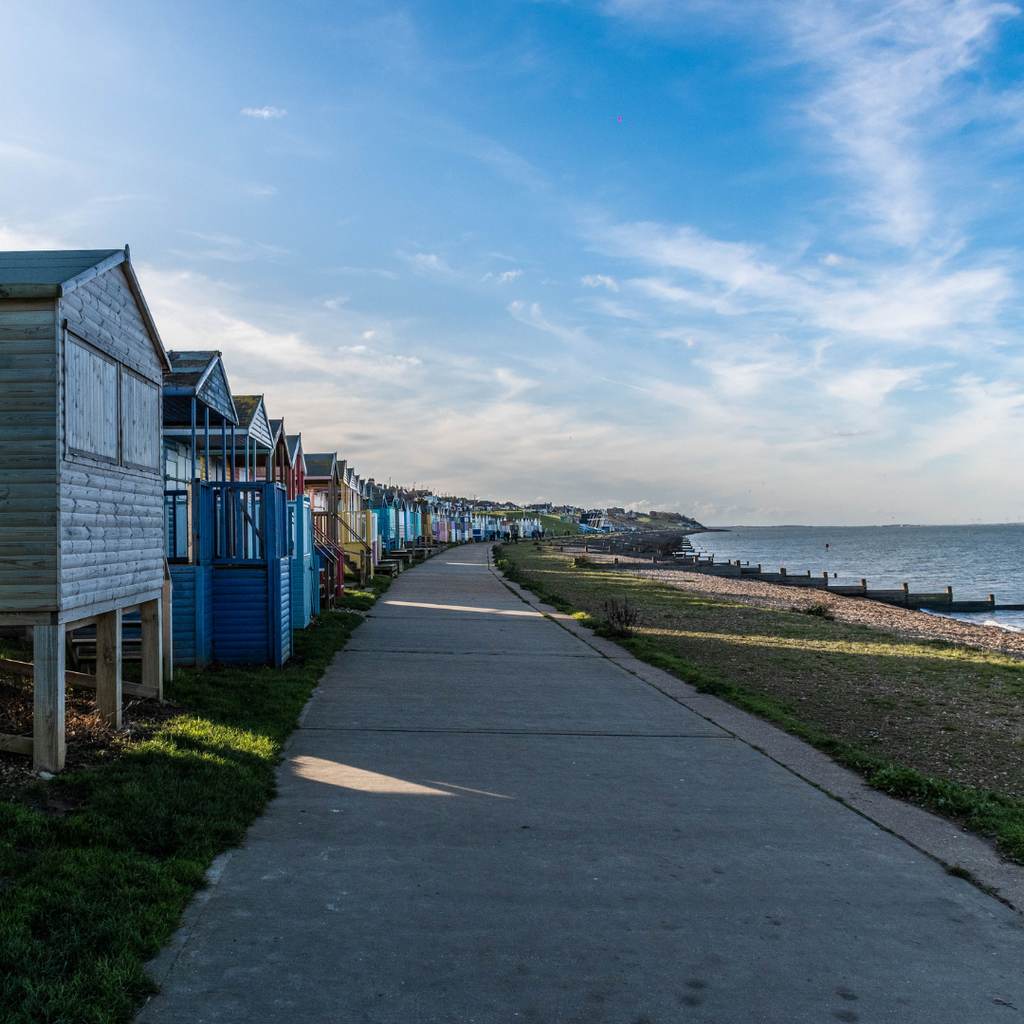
(140, 422)
(90, 389)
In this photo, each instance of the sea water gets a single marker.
(974, 560)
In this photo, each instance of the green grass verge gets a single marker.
(96, 866)
(987, 813)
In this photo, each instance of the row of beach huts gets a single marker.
(145, 507)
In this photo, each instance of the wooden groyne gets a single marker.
(685, 557)
(902, 597)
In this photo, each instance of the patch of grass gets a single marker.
(559, 527)
(96, 866)
(835, 685)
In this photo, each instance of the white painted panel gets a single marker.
(140, 422)
(90, 402)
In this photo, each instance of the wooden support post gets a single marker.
(48, 739)
(108, 668)
(152, 646)
(167, 627)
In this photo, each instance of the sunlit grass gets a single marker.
(96, 866)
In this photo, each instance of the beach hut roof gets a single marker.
(321, 466)
(52, 273)
(200, 374)
(253, 420)
(294, 445)
(277, 429)
(276, 426)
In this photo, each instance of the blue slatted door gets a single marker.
(241, 623)
(183, 614)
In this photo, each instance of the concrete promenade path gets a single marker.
(485, 819)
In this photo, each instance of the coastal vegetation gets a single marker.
(97, 864)
(935, 723)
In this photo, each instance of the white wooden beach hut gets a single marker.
(81, 487)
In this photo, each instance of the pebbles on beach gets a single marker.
(902, 622)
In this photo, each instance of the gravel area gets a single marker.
(887, 618)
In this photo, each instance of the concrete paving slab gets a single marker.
(446, 874)
(482, 635)
(524, 692)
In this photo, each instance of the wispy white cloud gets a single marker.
(533, 315)
(598, 281)
(229, 248)
(868, 386)
(504, 277)
(375, 271)
(914, 301)
(889, 68)
(428, 261)
(265, 113)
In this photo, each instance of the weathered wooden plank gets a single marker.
(35, 420)
(27, 669)
(28, 563)
(86, 476)
(26, 305)
(167, 630)
(42, 541)
(48, 698)
(152, 636)
(29, 375)
(27, 599)
(98, 567)
(16, 744)
(33, 361)
(32, 401)
(108, 668)
(26, 505)
(116, 589)
(19, 339)
(24, 450)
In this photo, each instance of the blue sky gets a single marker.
(756, 262)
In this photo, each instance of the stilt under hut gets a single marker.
(199, 430)
(81, 485)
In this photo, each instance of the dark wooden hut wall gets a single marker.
(29, 552)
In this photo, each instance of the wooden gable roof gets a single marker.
(280, 440)
(253, 420)
(53, 273)
(200, 374)
(321, 466)
(295, 452)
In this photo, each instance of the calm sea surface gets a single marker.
(974, 560)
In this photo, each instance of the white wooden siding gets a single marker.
(90, 402)
(140, 422)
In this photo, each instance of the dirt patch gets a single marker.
(89, 742)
